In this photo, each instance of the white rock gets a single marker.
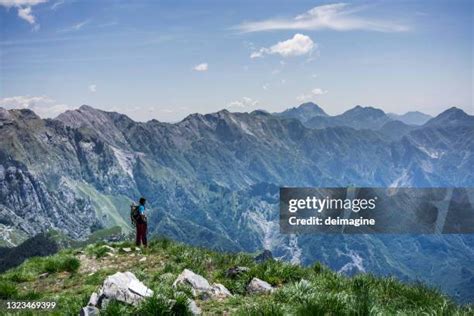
(193, 308)
(198, 283)
(93, 300)
(89, 311)
(125, 287)
(220, 291)
(257, 286)
(142, 259)
(127, 249)
(140, 288)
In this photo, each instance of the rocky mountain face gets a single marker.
(304, 112)
(411, 118)
(212, 180)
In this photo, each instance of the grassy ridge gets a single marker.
(75, 273)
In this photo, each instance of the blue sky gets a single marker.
(166, 59)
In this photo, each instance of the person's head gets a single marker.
(142, 201)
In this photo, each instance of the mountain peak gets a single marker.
(365, 111)
(303, 112)
(21, 114)
(87, 108)
(411, 117)
(452, 116)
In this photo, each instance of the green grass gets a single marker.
(61, 263)
(314, 290)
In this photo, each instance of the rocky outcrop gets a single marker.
(121, 286)
(257, 286)
(200, 286)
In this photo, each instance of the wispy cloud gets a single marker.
(298, 45)
(93, 88)
(24, 8)
(338, 16)
(310, 96)
(245, 103)
(57, 4)
(75, 27)
(201, 67)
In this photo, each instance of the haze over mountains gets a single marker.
(213, 180)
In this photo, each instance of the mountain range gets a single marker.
(212, 180)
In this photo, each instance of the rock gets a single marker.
(220, 291)
(43, 275)
(264, 256)
(200, 286)
(142, 259)
(124, 287)
(198, 283)
(127, 249)
(89, 311)
(236, 271)
(257, 286)
(93, 300)
(131, 255)
(109, 254)
(193, 308)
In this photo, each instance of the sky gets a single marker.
(167, 59)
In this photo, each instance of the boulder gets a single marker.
(219, 291)
(236, 271)
(124, 287)
(126, 249)
(193, 308)
(94, 299)
(198, 283)
(89, 311)
(264, 256)
(257, 286)
(200, 286)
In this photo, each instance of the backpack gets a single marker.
(134, 214)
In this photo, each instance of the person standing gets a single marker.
(141, 224)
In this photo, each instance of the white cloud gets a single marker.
(243, 104)
(318, 91)
(75, 27)
(201, 67)
(57, 4)
(18, 3)
(310, 96)
(25, 14)
(298, 45)
(42, 105)
(93, 88)
(25, 11)
(338, 16)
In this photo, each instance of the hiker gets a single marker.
(139, 219)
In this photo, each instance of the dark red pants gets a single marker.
(141, 234)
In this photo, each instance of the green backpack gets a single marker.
(134, 214)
